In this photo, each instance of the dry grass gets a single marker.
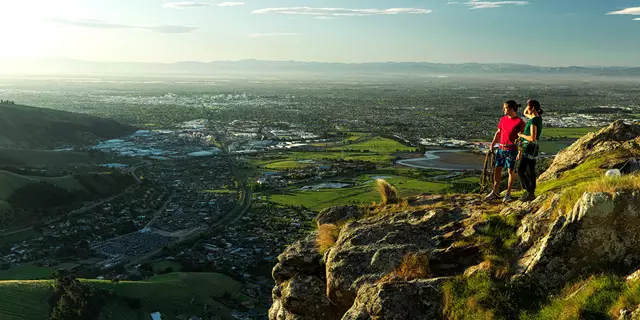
(412, 267)
(388, 193)
(326, 237)
(604, 184)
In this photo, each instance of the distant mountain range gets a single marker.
(258, 67)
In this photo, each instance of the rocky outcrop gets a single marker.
(300, 285)
(601, 232)
(402, 300)
(620, 138)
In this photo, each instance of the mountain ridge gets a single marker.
(252, 66)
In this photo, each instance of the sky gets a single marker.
(537, 32)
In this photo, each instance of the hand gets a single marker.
(520, 135)
(519, 157)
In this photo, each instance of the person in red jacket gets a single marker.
(508, 129)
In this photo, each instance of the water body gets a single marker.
(448, 160)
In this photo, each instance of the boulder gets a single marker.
(599, 234)
(402, 300)
(336, 215)
(368, 249)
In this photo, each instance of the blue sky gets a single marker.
(540, 32)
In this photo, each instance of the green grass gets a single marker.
(24, 300)
(378, 145)
(384, 159)
(26, 272)
(10, 182)
(288, 164)
(174, 295)
(569, 133)
(364, 194)
(589, 299)
(553, 147)
(161, 266)
(18, 237)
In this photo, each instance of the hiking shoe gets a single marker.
(507, 197)
(530, 197)
(491, 196)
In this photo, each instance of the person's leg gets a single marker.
(523, 173)
(497, 177)
(531, 174)
(512, 178)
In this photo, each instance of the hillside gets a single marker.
(565, 255)
(38, 128)
(174, 295)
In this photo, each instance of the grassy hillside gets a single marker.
(30, 127)
(10, 182)
(172, 294)
(27, 157)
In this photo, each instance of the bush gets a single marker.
(388, 193)
(412, 267)
(326, 237)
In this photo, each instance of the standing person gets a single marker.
(530, 148)
(508, 129)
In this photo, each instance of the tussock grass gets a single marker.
(388, 193)
(413, 267)
(603, 184)
(326, 237)
(592, 298)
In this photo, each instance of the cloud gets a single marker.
(475, 4)
(260, 35)
(231, 4)
(340, 12)
(325, 18)
(490, 4)
(99, 24)
(636, 19)
(629, 11)
(200, 4)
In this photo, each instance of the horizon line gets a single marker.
(325, 62)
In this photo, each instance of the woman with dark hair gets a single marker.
(528, 154)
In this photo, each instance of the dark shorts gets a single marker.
(506, 158)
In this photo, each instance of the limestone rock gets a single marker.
(418, 299)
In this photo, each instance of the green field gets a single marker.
(26, 272)
(569, 133)
(365, 194)
(18, 237)
(24, 300)
(384, 159)
(378, 145)
(174, 295)
(287, 164)
(161, 266)
(10, 182)
(42, 157)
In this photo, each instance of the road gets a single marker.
(244, 204)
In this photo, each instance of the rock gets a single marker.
(418, 299)
(336, 215)
(599, 232)
(300, 287)
(617, 136)
(302, 256)
(304, 296)
(372, 247)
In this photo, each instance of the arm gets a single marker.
(532, 137)
(496, 138)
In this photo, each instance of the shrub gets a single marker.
(604, 184)
(326, 237)
(412, 267)
(388, 193)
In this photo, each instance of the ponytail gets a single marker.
(511, 104)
